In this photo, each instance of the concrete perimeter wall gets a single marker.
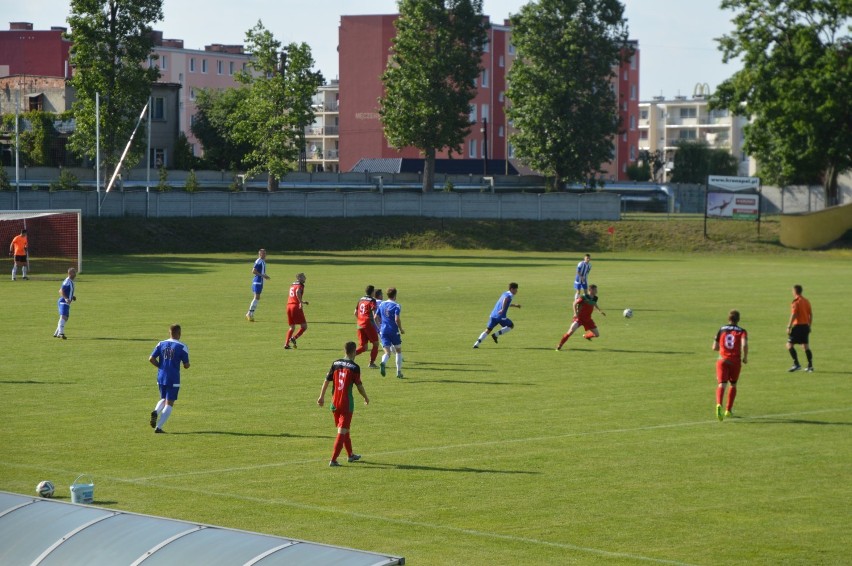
(515, 206)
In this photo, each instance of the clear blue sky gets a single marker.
(676, 37)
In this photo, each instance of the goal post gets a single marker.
(55, 239)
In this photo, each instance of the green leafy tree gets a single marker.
(111, 39)
(163, 183)
(272, 119)
(67, 181)
(695, 160)
(430, 80)
(5, 185)
(794, 85)
(185, 160)
(563, 107)
(214, 109)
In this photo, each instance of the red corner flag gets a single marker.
(611, 229)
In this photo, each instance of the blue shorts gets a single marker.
(494, 322)
(581, 286)
(257, 288)
(64, 308)
(169, 392)
(391, 338)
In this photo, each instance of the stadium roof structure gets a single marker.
(44, 531)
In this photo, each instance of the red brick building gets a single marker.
(364, 46)
(24, 51)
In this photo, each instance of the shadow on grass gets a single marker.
(114, 339)
(28, 382)
(439, 469)
(260, 434)
(758, 420)
(465, 381)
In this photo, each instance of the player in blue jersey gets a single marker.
(498, 316)
(581, 280)
(259, 276)
(167, 357)
(66, 297)
(390, 332)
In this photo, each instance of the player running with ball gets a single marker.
(584, 306)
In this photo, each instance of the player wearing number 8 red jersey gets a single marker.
(365, 315)
(732, 344)
(344, 373)
(296, 311)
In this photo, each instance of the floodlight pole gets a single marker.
(17, 152)
(148, 171)
(98, 149)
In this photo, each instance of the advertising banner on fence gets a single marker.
(733, 205)
(733, 183)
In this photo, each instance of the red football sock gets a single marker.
(720, 392)
(374, 353)
(565, 338)
(361, 349)
(338, 446)
(347, 443)
(299, 333)
(289, 335)
(732, 394)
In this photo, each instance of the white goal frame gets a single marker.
(27, 214)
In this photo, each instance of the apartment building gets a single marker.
(322, 138)
(665, 122)
(364, 46)
(213, 67)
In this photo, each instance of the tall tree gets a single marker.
(563, 107)
(431, 77)
(272, 118)
(695, 160)
(795, 86)
(214, 109)
(111, 39)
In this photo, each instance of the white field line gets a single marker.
(471, 532)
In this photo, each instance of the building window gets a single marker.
(511, 150)
(632, 92)
(192, 120)
(158, 157)
(687, 113)
(487, 47)
(204, 65)
(230, 67)
(180, 78)
(688, 135)
(485, 112)
(471, 148)
(643, 114)
(192, 64)
(500, 96)
(158, 108)
(192, 94)
(501, 62)
(511, 49)
(245, 66)
(643, 134)
(632, 122)
(632, 153)
(473, 119)
(219, 67)
(164, 62)
(624, 136)
(500, 132)
(485, 77)
(633, 62)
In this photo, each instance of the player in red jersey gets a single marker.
(732, 344)
(344, 373)
(296, 311)
(584, 306)
(365, 315)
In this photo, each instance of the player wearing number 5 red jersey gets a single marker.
(365, 315)
(344, 373)
(296, 311)
(732, 344)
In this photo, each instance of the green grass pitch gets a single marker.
(605, 453)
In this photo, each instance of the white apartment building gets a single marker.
(665, 122)
(322, 138)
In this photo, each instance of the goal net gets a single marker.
(55, 239)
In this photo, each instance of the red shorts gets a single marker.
(728, 371)
(295, 315)
(586, 323)
(342, 420)
(369, 334)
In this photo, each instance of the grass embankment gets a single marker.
(282, 234)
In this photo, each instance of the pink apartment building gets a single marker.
(214, 67)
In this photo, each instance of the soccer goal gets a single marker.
(55, 239)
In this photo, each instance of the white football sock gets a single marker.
(164, 416)
(505, 329)
(24, 271)
(159, 407)
(399, 361)
(14, 271)
(385, 357)
(253, 305)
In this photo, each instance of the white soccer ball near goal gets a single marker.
(45, 488)
(628, 313)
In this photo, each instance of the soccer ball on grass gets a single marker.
(628, 313)
(45, 488)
